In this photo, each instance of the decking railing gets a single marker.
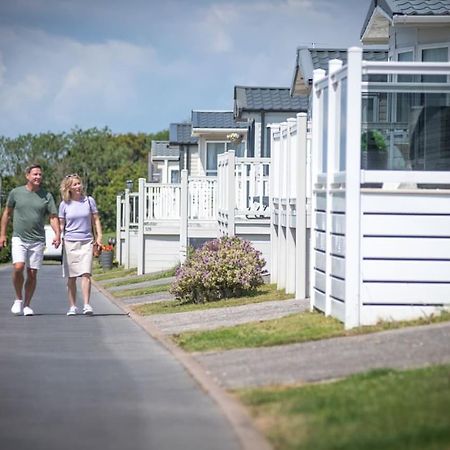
(243, 190)
(380, 243)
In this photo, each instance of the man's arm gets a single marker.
(54, 223)
(7, 213)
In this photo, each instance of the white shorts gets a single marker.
(30, 253)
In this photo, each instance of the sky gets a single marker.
(139, 65)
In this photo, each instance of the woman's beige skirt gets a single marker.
(77, 258)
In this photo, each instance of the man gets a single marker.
(29, 205)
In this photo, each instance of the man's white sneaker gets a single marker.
(73, 310)
(87, 309)
(16, 308)
(27, 311)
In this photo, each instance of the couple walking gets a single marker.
(28, 206)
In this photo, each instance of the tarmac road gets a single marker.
(96, 382)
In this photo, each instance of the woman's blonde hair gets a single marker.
(66, 184)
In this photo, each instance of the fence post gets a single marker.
(353, 187)
(231, 193)
(281, 273)
(300, 226)
(291, 158)
(316, 164)
(126, 212)
(184, 207)
(140, 236)
(119, 218)
(274, 202)
(332, 143)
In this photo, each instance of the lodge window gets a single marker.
(213, 149)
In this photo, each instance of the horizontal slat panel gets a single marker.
(319, 281)
(405, 203)
(321, 220)
(320, 260)
(382, 270)
(321, 202)
(370, 315)
(373, 247)
(319, 300)
(338, 223)
(338, 289)
(338, 245)
(406, 225)
(338, 267)
(338, 202)
(320, 240)
(405, 293)
(338, 310)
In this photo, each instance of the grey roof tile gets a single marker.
(162, 149)
(309, 59)
(181, 133)
(407, 8)
(215, 119)
(267, 99)
(416, 7)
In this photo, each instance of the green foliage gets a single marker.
(103, 160)
(221, 268)
(373, 140)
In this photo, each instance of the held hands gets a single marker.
(56, 242)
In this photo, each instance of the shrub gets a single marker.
(222, 268)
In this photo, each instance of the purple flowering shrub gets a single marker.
(222, 268)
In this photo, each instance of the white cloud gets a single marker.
(54, 80)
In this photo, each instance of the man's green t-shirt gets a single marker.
(30, 212)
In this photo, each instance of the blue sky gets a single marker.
(138, 65)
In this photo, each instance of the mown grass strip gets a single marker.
(141, 291)
(294, 328)
(264, 293)
(140, 279)
(382, 409)
(100, 275)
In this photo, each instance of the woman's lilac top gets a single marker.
(77, 215)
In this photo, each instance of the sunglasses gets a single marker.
(72, 175)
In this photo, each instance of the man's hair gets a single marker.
(31, 167)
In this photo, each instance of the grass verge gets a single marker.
(382, 409)
(141, 291)
(141, 278)
(301, 327)
(264, 293)
(117, 272)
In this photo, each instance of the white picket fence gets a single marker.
(377, 253)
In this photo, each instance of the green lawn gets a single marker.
(264, 293)
(141, 278)
(117, 272)
(380, 410)
(137, 292)
(301, 327)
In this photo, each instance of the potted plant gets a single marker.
(374, 150)
(107, 256)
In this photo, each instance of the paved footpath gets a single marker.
(80, 383)
(315, 361)
(328, 359)
(209, 319)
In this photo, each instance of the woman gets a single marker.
(78, 215)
